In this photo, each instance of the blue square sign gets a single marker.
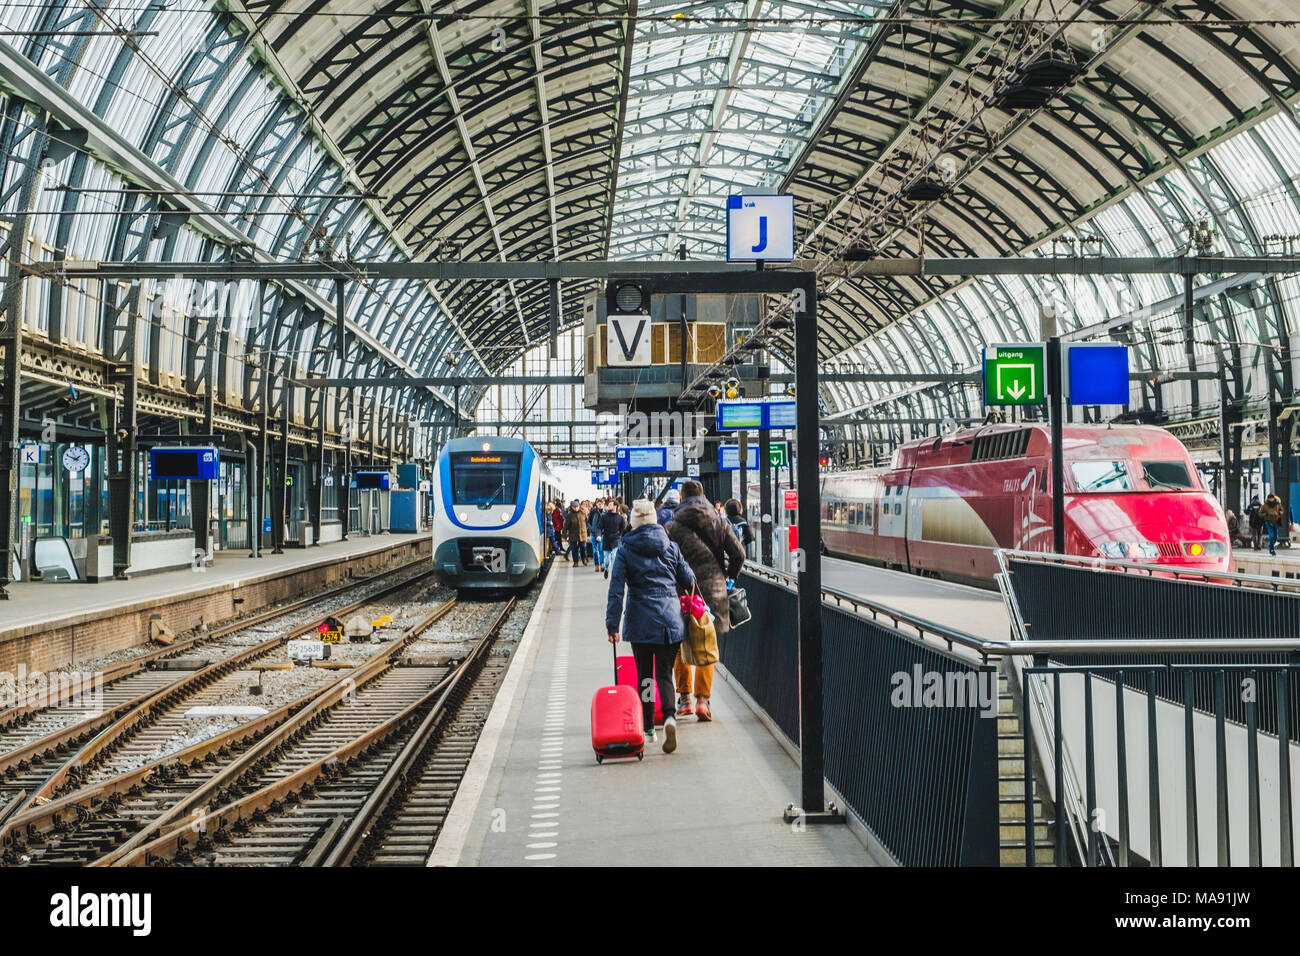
(1096, 373)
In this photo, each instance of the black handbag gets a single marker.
(739, 612)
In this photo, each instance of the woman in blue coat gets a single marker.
(653, 570)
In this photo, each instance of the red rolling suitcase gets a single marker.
(625, 667)
(617, 727)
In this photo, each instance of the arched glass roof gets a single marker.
(537, 131)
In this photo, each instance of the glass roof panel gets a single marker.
(705, 88)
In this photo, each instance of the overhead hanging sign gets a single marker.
(649, 458)
(729, 457)
(760, 227)
(1015, 374)
(762, 414)
(1096, 373)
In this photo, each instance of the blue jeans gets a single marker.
(1272, 536)
(597, 550)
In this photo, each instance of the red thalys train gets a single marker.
(944, 504)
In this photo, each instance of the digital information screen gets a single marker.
(196, 464)
(781, 414)
(729, 457)
(372, 480)
(646, 459)
(733, 415)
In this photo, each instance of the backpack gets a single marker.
(741, 529)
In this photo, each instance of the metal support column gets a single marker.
(810, 575)
(201, 491)
(121, 464)
(765, 522)
(1055, 399)
(316, 498)
(278, 470)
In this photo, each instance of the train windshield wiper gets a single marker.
(1116, 471)
(1153, 482)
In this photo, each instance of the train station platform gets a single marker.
(50, 624)
(534, 795)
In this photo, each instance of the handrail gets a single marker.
(1236, 579)
(988, 648)
(1071, 800)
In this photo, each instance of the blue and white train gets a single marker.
(489, 509)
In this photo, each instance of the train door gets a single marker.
(893, 521)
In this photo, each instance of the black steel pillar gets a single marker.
(765, 496)
(1054, 409)
(278, 470)
(343, 474)
(1229, 447)
(742, 449)
(317, 500)
(121, 462)
(810, 575)
(201, 491)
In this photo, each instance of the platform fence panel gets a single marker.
(1061, 602)
(920, 774)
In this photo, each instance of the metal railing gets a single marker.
(912, 774)
(1180, 618)
(901, 779)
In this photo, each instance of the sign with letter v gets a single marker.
(627, 340)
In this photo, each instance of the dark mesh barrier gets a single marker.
(922, 778)
(1061, 602)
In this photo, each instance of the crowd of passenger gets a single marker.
(653, 554)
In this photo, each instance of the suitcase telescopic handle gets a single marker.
(614, 648)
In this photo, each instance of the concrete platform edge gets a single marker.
(85, 617)
(875, 849)
(457, 827)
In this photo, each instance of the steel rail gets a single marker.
(349, 843)
(141, 710)
(307, 708)
(133, 665)
(173, 844)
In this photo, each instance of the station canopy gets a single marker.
(529, 130)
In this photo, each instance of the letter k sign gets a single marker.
(628, 340)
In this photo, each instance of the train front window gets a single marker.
(1100, 476)
(484, 478)
(1167, 476)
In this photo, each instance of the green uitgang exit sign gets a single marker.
(1015, 374)
(779, 454)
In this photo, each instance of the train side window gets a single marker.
(1042, 481)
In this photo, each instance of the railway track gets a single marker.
(361, 778)
(35, 737)
(142, 754)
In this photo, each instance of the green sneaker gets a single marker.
(650, 736)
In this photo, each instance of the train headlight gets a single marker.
(1195, 549)
(1208, 549)
(505, 516)
(1127, 550)
(461, 515)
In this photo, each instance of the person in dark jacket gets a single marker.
(653, 570)
(738, 523)
(671, 500)
(593, 533)
(612, 525)
(575, 525)
(715, 556)
(557, 523)
(1256, 523)
(1271, 514)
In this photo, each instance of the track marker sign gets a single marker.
(628, 340)
(1015, 374)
